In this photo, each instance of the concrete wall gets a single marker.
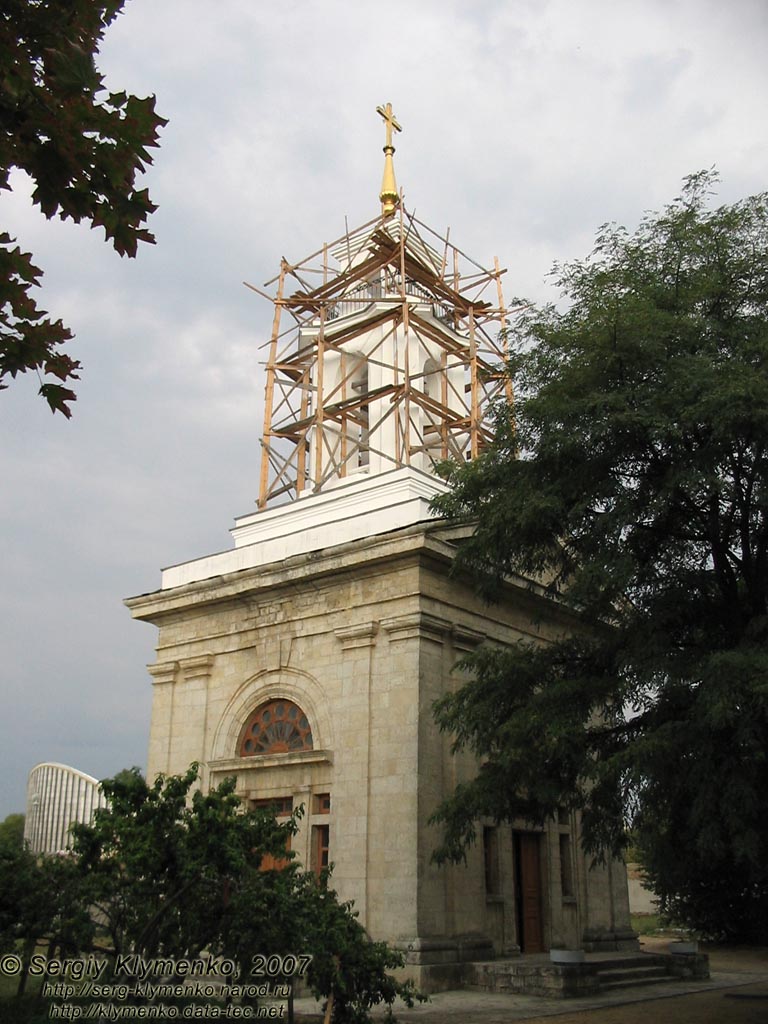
(57, 797)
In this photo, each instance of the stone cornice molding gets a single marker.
(258, 586)
(243, 764)
(197, 667)
(164, 672)
(466, 639)
(417, 624)
(360, 635)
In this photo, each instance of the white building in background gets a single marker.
(57, 797)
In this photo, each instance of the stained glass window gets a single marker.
(277, 727)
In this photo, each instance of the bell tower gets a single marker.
(389, 359)
(305, 660)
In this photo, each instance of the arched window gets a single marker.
(361, 420)
(431, 381)
(277, 727)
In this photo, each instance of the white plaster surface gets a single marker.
(362, 507)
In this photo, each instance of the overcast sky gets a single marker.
(526, 125)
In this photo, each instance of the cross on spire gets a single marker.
(390, 122)
(389, 195)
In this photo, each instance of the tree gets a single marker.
(347, 967)
(41, 899)
(83, 152)
(632, 479)
(161, 872)
(172, 876)
(12, 831)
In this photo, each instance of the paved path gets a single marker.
(737, 993)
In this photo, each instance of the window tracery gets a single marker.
(275, 727)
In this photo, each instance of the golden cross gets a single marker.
(389, 120)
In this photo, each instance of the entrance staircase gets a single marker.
(536, 975)
(633, 971)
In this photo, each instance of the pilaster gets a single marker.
(351, 846)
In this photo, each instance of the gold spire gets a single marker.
(389, 196)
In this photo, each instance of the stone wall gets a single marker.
(364, 637)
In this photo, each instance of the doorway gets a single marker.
(530, 923)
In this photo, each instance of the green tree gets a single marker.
(160, 871)
(83, 149)
(271, 914)
(12, 830)
(632, 479)
(172, 875)
(41, 900)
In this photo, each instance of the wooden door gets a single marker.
(528, 885)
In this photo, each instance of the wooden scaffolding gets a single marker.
(391, 359)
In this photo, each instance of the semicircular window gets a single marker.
(277, 727)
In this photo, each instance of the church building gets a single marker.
(306, 659)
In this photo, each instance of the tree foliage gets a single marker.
(160, 871)
(82, 148)
(632, 479)
(41, 900)
(12, 831)
(175, 876)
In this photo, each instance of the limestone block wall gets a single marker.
(316, 641)
(581, 904)
(364, 637)
(606, 922)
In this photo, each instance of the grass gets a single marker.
(30, 1008)
(647, 924)
(9, 985)
(655, 924)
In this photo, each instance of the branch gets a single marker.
(168, 903)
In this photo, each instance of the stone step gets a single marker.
(632, 974)
(622, 962)
(610, 986)
(600, 973)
